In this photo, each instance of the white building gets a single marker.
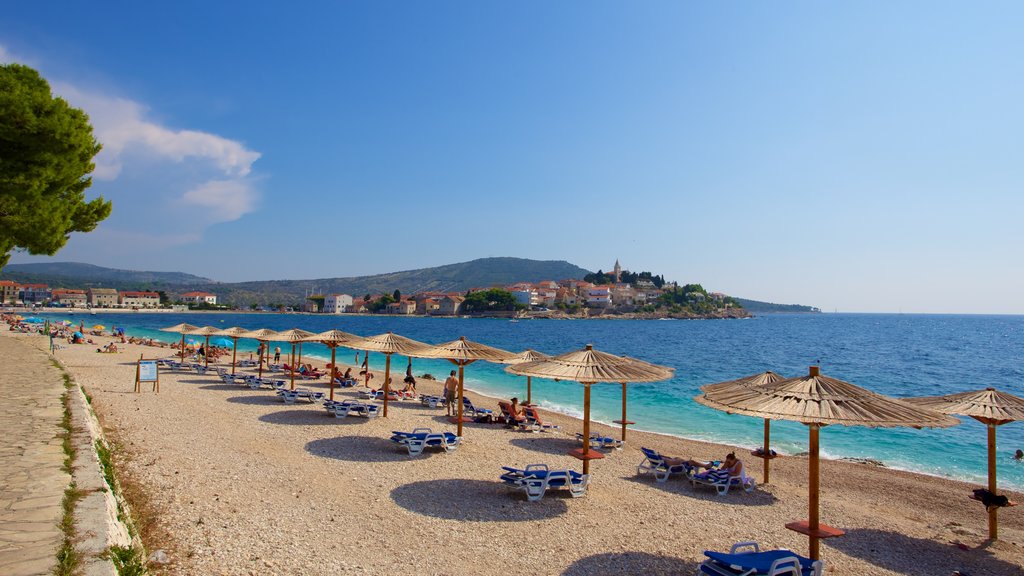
(140, 300)
(599, 297)
(199, 298)
(337, 303)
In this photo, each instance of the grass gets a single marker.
(67, 557)
(127, 561)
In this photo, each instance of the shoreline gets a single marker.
(226, 467)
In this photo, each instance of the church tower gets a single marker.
(618, 271)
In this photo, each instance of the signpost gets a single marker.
(147, 371)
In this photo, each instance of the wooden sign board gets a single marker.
(147, 371)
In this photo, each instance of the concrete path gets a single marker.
(31, 480)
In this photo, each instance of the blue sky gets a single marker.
(852, 156)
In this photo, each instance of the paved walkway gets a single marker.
(31, 480)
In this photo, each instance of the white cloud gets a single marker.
(121, 125)
(225, 200)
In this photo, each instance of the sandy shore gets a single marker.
(236, 482)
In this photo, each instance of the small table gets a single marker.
(823, 531)
(586, 454)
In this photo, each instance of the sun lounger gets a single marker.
(602, 442)
(372, 394)
(534, 422)
(199, 369)
(655, 463)
(721, 481)
(349, 408)
(290, 396)
(345, 383)
(421, 438)
(535, 480)
(510, 420)
(747, 559)
(470, 410)
(432, 401)
(246, 363)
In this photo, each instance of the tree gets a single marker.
(46, 152)
(397, 295)
(494, 299)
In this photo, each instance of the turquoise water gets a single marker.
(898, 355)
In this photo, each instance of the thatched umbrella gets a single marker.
(528, 355)
(234, 333)
(990, 407)
(332, 339)
(817, 401)
(387, 344)
(762, 379)
(180, 329)
(589, 366)
(293, 336)
(205, 331)
(263, 336)
(462, 353)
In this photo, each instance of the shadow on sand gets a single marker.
(362, 448)
(917, 556)
(311, 416)
(545, 444)
(628, 563)
(234, 387)
(683, 487)
(480, 501)
(255, 399)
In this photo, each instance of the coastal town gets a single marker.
(618, 293)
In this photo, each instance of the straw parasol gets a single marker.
(528, 355)
(263, 336)
(387, 344)
(990, 407)
(589, 366)
(761, 379)
(293, 336)
(332, 339)
(205, 331)
(462, 353)
(817, 401)
(234, 333)
(180, 329)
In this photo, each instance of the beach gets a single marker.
(229, 480)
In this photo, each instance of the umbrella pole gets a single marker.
(993, 527)
(182, 346)
(234, 354)
(387, 376)
(261, 360)
(292, 365)
(623, 411)
(334, 369)
(206, 352)
(459, 413)
(767, 452)
(813, 487)
(586, 427)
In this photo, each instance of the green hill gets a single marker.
(78, 275)
(755, 307)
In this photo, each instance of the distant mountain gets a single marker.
(755, 307)
(78, 275)
(481, 273)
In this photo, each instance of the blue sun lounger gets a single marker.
(535, 480)
(421, 438)
(655, 463)
(290, 396)
(747, 559)
(602, 442)
(720, 480)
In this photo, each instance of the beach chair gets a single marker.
(432, 401)
(420, 438)
(654, 463)
(534, 422)
(721, 481)
(602, 442)
(470, 410)
(747, 559)
(517, 421)
(535, 480)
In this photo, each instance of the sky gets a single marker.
(851, 156)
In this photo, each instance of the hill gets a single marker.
(755, 307)
(78, 275)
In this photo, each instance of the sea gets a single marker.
(898, 355)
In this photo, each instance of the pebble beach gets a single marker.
(229, 480)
